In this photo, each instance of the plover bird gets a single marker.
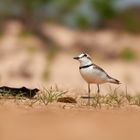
(92, 73)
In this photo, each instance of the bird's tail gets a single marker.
(113, 80)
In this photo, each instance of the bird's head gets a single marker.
(83, 59)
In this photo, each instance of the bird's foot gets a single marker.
(87, 97)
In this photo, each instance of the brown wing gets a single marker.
(112, 80)
(99, 68)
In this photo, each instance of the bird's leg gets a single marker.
(89, 90)
(98, 90)
(98, 96)
(88, 94)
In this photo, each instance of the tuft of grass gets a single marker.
(7, 95)
(48, 95)
(137, 100)
(115, 98)
(97, 101)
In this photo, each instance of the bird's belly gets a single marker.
(92, 76)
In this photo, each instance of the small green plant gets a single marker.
(128, 54)
(115, 98)
(47, 96)
(137, 100)
(119, 99)
(129, 98)
(24, 33)
(97, 101)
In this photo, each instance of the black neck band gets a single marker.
(86, 66)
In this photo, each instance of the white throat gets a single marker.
(85, 62)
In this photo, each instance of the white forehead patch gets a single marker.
(81, 55)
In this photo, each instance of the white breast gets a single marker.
(92, 75)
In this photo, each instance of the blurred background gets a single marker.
(38, 39)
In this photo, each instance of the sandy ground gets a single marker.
(55, 123)
(20, 122)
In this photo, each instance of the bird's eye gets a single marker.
(85, 55)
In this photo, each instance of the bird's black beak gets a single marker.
(77, 58)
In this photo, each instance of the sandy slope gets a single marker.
(51, 123)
